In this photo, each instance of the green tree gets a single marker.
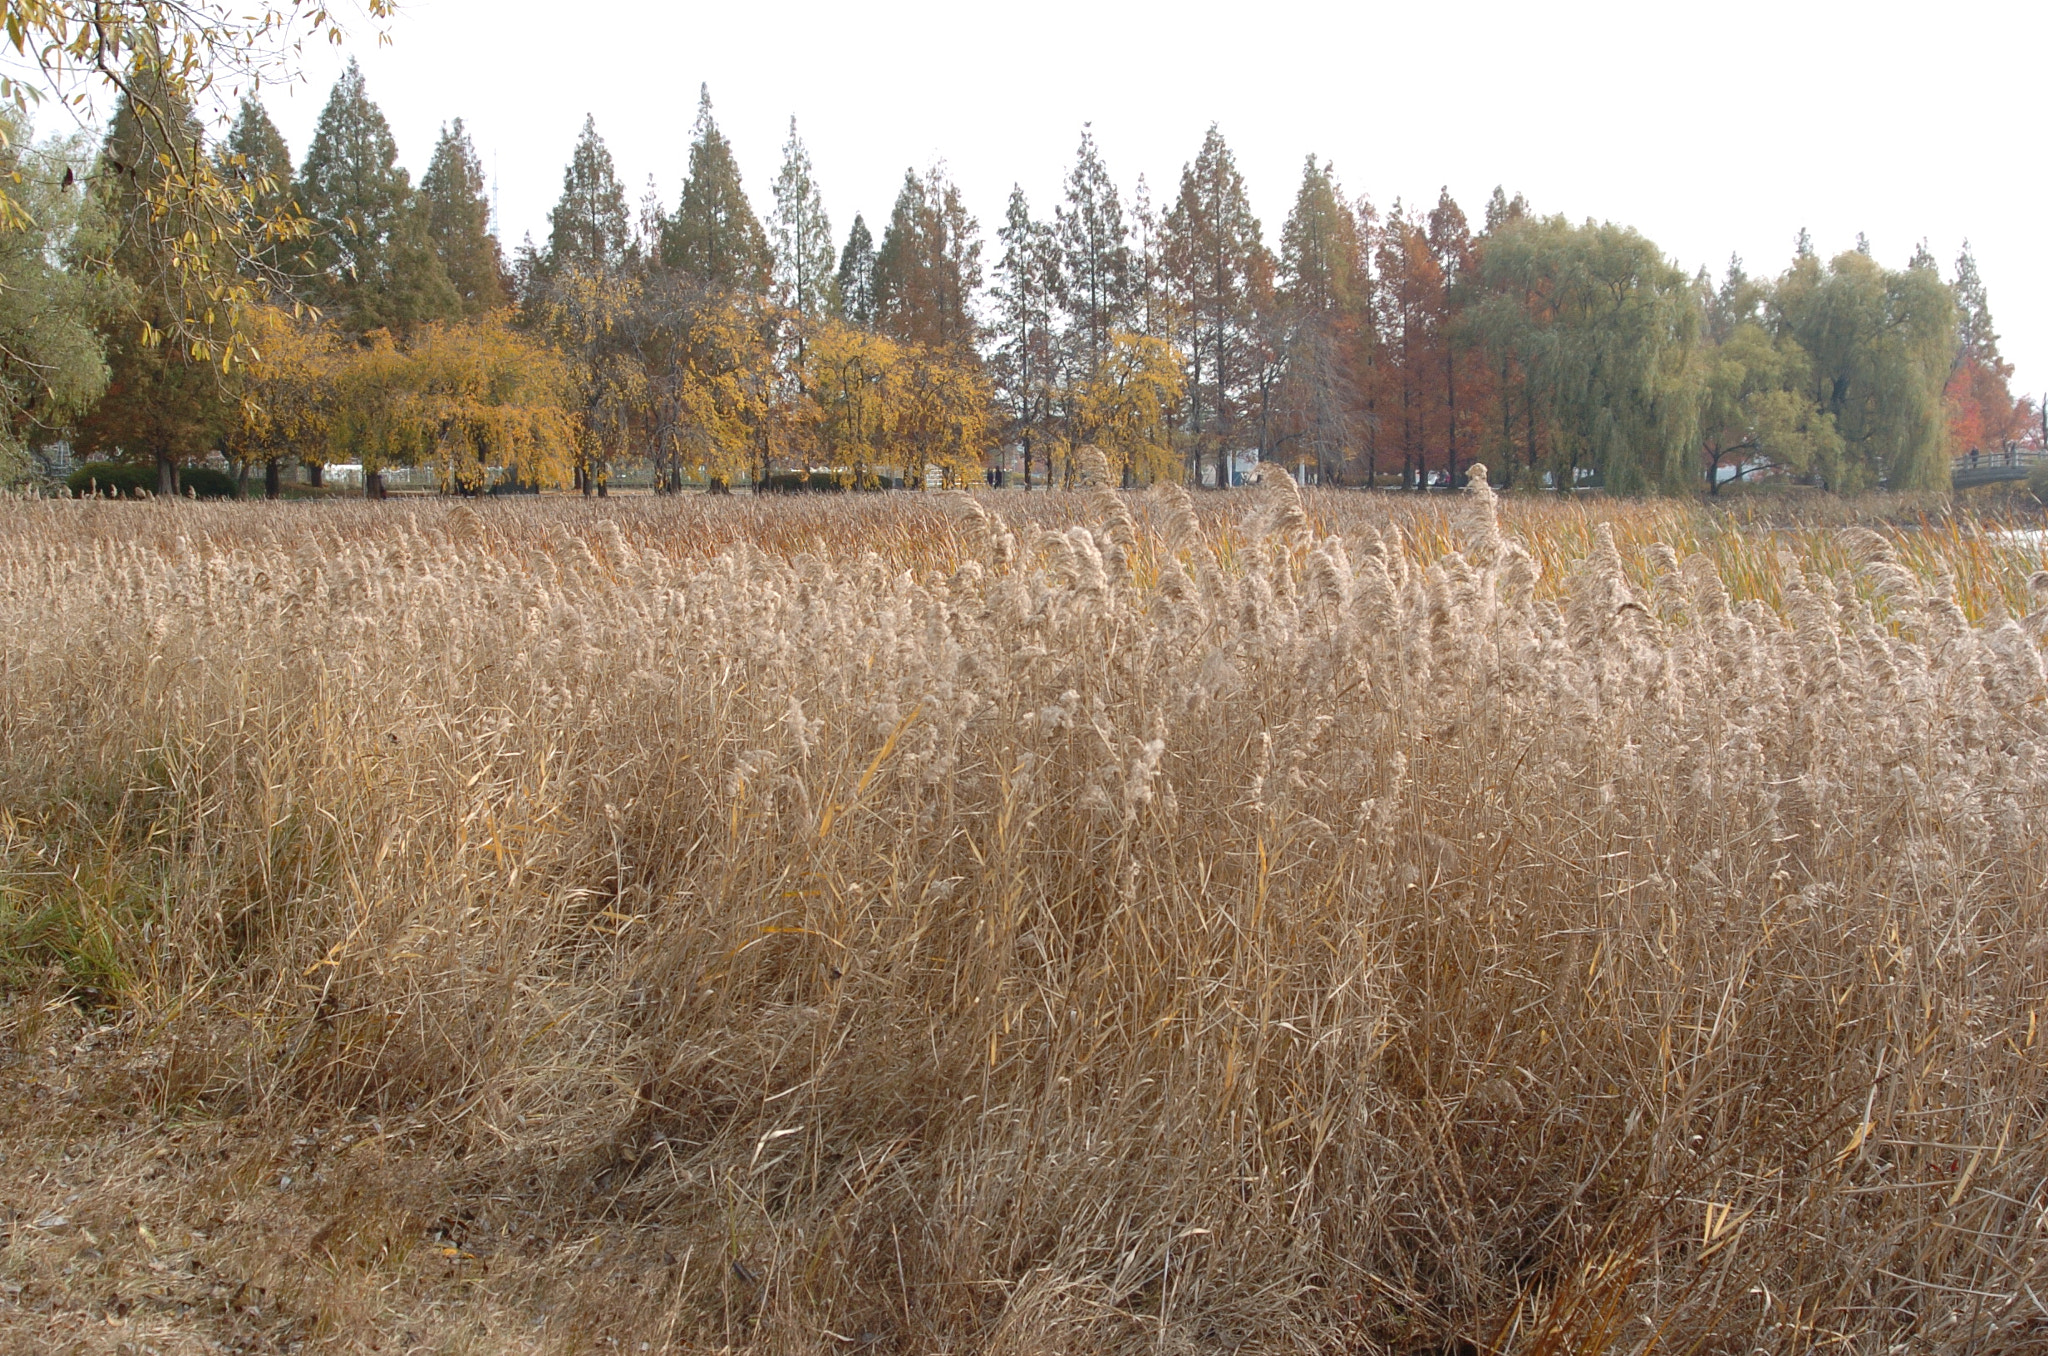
(1757, 412)
(1214, 255)
(52, 354)
(583, 298)
(853, 288)
(1320, 262)
(589, 229)
(928, 265)
(1095, 279)
(1882, 343)
(163, 399)
(257, 163)
(714, 236)
(458, 208)
(374, 263)
(1609, 333)
(800, 234)
(1321, 295)
(159, 57)
(1022, 366)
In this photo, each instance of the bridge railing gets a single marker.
(2010, 462)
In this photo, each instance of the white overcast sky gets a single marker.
(1713, 128)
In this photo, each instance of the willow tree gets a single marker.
(1880, 342)
(52, 353)
(1609, 332)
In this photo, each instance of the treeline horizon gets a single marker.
(717, 344)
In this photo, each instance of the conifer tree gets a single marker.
(714, 236)
(581, 296)
(854, 286)
(1150, 303)
(589, 229)
(1214, 252)
(1976, 338)
(161, 402)
(800, 234)
(459, 222)
(1095, 278)
(255, 159)
(1027, 277)
(1321, 269)
(1981, 411)
(373, 266)
(929, 264)
(1450, 242)
(1319, 251)
(1501, 211)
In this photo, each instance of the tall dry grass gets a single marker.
(1076, 923)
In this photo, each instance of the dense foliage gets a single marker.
(709, 345)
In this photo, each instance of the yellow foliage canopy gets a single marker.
(470, 400)
(1124, 406)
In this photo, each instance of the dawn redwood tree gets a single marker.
(1409, 302)
(162, 401)
(1982, 413)
(853, 287)
(458, 210)
(374, 265)
(1450, 242)
(1322, 287)
(1096, 270)
(1023, 362)
(589, 229)
(800, 235)
(1213, 254)
(928, 266)
(580, 294)
(714, 236)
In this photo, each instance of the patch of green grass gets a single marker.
(84, 923)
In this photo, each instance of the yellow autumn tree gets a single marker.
(490, 403)
(846, 372)
(710, 379)
(286, 389)
(936, 414)
(589, 315)
(372, 420)
(476, 401)
(1123, 408)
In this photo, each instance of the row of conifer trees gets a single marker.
(715, 342)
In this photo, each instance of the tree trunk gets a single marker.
(316, 474)
(373, 484)
(1529, 424)
(271, 478)
(166, 476)
(1451, 406)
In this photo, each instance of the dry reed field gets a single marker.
(1021, 924)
